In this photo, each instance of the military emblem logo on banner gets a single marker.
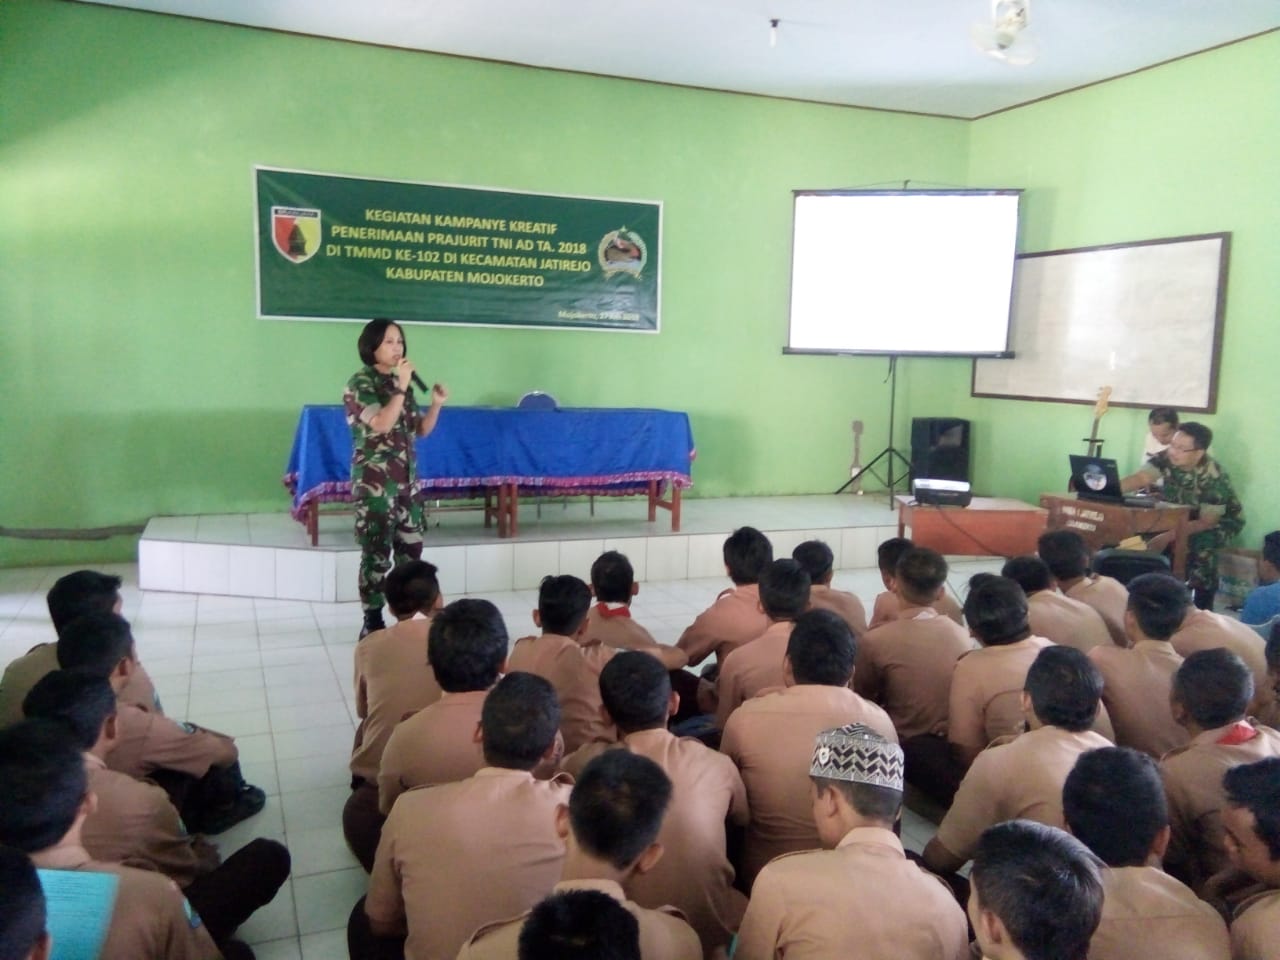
(622, 251)
(295, 232)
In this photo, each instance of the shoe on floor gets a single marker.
(372, 623)
(249, 801)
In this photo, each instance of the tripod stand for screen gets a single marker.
(889, 453)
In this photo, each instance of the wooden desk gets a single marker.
(1106, 524)
(988, 527)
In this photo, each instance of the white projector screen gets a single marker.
(903, 272)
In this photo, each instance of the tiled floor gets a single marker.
(277, 675)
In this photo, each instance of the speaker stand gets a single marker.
(890, 452)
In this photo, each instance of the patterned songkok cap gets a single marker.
(858, 754)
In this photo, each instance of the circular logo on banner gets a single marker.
(622, 251)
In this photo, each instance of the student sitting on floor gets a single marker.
(23, 919)
(610, 829)
(1067, 557)
(134, 822)
(1263, 602)
(1205, 630)
(860, 896)
(1114, 804)
(1251, 820)
(613, 584)
(888, 604)
(580, 925)
(819, 563)
(1051, 615)
(735, 618)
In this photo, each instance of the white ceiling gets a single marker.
(911, 55)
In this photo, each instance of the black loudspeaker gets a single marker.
(939, 449)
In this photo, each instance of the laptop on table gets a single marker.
(1098, 479)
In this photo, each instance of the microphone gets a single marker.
(417, 382)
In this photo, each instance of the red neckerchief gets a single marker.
(606, 611)
(1242, 731)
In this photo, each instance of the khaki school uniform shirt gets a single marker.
(573, 668)
(906, 666)
(986, 692)
(771, 740)
(1193, 785)
(1109, 597)
(1068, 622)
(664, 935)
(1205, 630)
(392, 678)
(1255, 930)
(151, 741)
(612, 625)
(435, 745)
(842, 603)
(863, 899)
(734, 619)
(151, 920)
(751, 669)
(1018, 779)
(30, 668)
(136, 824)
(1136, 685)
(1148, 913)
(889, 605)
(491, 851)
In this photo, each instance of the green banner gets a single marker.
(352, 248)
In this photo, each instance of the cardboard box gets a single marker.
(1237, 575)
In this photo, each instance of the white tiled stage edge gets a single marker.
(268, 556)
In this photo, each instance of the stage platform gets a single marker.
(268, 555)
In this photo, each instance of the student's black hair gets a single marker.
(1273, 647)
(784, 590)
(1215, 686)
(747, 552)
(612, 577)
(579, 925)
(466, 645)
(869, 800)
(95, 643)
(1271, 548)
(920, 573)
(371, 337)
(996, 610)
(1043, 885)
(1114, 804)
(1065, 688)
(412, 587)
(617, 805)
(890, 552)
(1200, 435)
(42, 784)
(816, 558)
(81, 592)
(1030, 573)
(1065, 554)
(821, 649)
(1166, 415)
(563, 603)
(80, 702)
(636, 690)
(1256, 788)
(22, 908)
(1159, 603)
(519, 721)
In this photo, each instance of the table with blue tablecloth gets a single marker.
(502, 453)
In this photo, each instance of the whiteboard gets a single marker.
(1144, 318)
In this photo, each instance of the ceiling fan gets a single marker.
(1005, 36)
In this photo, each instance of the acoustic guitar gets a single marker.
(1094, 448)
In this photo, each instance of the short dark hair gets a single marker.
(617, 806)
(996, 610)
(519, 721)
(95, 643)
(42, 784)
(920, 573)
(371, 337)
(612, 577)
(1200, 435)
(563, 603)
(1043, 884)
(1159, 603)
(890, 552)
(868, 799)
(1271, 548)
(81, 592)
(1273, 647)
(1114, 804)
(784, 590)
(816, 558)
(821, 649)
(1166, 415)
(81, 702)
(1214, 686)
(22, 909)
(747, 552)
(580, 925)
(412, 587)
(1065, 554)
(1256, 788)
(466, 644)
(1065, 688)
(1030, 573)
(636, 690)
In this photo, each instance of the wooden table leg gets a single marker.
(653, 500)
(513, 506)
(488, 507)
(313, 521)
(675, 508)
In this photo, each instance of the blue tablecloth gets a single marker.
(548, 452)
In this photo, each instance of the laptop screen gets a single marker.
(1096, 478)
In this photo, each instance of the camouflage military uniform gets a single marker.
(388, 517)
(1207, 487)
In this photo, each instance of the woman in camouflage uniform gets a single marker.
(385, 421)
